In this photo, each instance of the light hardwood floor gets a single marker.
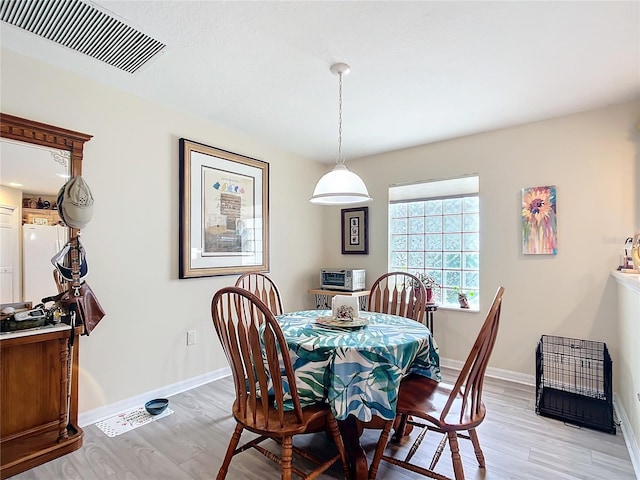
(190, 445)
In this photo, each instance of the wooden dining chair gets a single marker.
(447, 409)
(263, 287)
(398, 293)
(252, 342)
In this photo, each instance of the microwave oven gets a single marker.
(348, 280)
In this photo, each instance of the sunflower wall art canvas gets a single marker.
(539, 221)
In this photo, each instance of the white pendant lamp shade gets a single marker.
(340, 186)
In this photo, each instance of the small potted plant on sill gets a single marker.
(463, 297)
(429, 283)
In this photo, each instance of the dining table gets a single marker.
(356, 367)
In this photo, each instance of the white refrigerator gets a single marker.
(39, 244)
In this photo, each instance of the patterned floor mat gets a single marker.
(126, 421)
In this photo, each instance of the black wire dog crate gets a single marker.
(574, 382)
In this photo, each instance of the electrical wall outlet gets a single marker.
(191, 337)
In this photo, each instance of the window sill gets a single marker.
(458, 309)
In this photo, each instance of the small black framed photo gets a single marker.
(355, 231)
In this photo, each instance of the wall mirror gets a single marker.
(36, 159)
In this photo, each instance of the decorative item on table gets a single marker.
(430, 284)
(344, 314)
(345, 308)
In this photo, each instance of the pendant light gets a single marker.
(340, 186)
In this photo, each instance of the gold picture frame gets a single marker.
(224, 212)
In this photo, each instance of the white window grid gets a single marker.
(440, 237)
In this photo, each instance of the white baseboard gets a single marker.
(627, 433)
(92, 416)
(499, 373)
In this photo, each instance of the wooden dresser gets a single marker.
(36, 423)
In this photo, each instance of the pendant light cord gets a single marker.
(340, 160)
(340, 186)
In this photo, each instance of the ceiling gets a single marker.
(421, 71)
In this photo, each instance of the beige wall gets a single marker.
(592, 158)
(10, 197)
(131, 165)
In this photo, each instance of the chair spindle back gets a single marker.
(471, 378)
(399, 293)
(252, 341)
(263, 287)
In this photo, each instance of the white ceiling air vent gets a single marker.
(82, 27)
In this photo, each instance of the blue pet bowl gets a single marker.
(156, 406)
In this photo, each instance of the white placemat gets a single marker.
(126, 421)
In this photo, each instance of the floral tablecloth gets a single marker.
(357, 371)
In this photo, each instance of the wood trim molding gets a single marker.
(30, 131)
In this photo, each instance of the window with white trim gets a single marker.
(434, 228)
